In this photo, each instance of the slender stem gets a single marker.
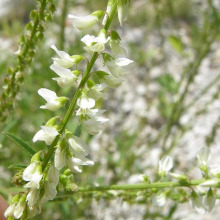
(77, 93)
(62, 24)
(137, 187)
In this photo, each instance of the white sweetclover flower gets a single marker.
(95, 44)
(209, 201)
(122, 11)
(33, 174)
(65, 59)
(197, 203)
(160, 199)
(19, 209)
(84, 22)
(113, 81)
(96, 121)
(9, 212)
(53, 102)
(165, 165)
(115, 66)
(60, 158)
(32, 197)
(95, 91)
(85, 103)
(203, 156)
(214, 170)
(66, 76)
(77, 146)
(46, 134)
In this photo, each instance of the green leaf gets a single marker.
(176, 43)
(20, 142)
(17, 166)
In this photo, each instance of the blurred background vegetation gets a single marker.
(169, 103)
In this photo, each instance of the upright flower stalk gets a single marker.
(41, 177)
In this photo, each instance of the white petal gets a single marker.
(83, 22)
(60, 158)
(78, 146)
(88, 39)
(53, 175)
(28, 172)
(9, 211)
(19, 209)
(47, 94)
(62, 54)
(123, 61)
(62, 72)
(84, 102)
(33, 197)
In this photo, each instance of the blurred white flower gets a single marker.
(122, 11)
(95, 44)
(197, 203)
(46, 134)
(84, 22)
(33, 174)
(96, 121)
(209, 201)
(60, 158)
(165, 165)
(115, 66)
(66, 76)
(160, 199)
(19, 209)
(32, 197)
(53, 102)
(95, 92)
(65, 59)
(9, 212)
(203, 156)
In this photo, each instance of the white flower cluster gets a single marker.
(71, 151)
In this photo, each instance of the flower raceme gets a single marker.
(42, 178)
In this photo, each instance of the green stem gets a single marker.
(62, 24)
(77, 93)
(137, 187)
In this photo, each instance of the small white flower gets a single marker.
(115, 66)
(73, 163)
(33, 174)
(84, 22)
(53, 175)
(19, 209)
(9, 212)
(203, 156)
(50, 191)
(65, 60)
(33, 197)
(60, 158)
(53, 102)
(113, 81)
(85, 103)
(95, 91)
(197, 203)
(78, 147)
(46, 134)
(214, 170)
(95, 44)
(165, 165)
(95, 123)
(160, 199)
(209, 201)
(122, 11)
(66, 76)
